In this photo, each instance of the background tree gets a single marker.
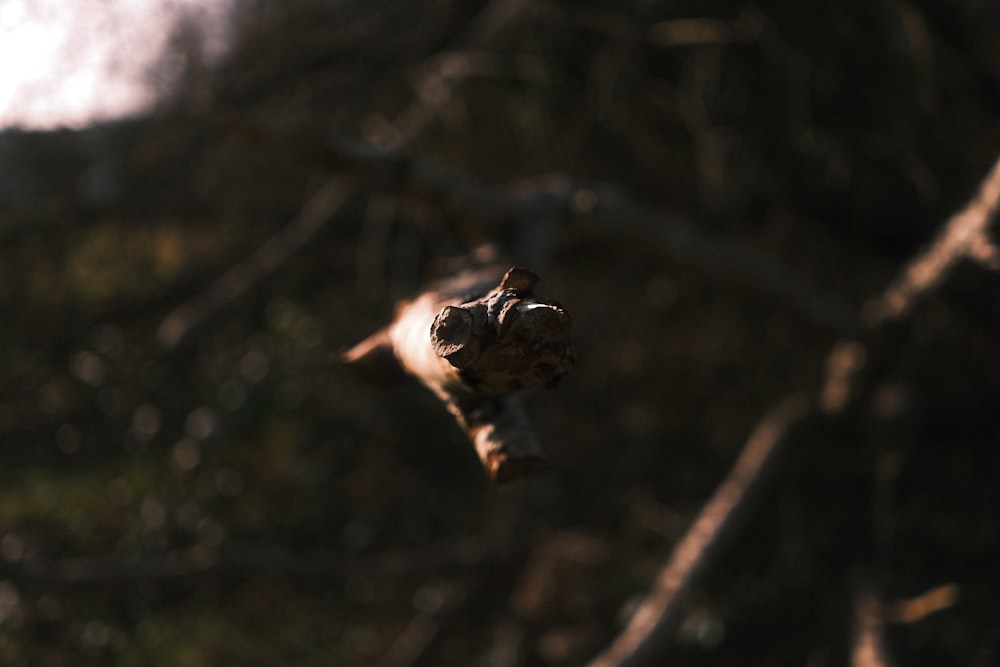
(730, 200)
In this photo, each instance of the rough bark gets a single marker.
(476, 344)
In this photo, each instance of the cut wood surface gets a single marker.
(476, 341)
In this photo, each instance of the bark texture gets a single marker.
(476, 343)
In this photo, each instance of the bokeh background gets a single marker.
(234, 500)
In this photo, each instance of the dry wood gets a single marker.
(964, 236)
(475, 346)
(651, 626)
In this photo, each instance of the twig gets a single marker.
(249, 272)
(651, 628)
(436, 604)
(474, 347)
(871, 615)
(965, 236)
(868, 647)
(652, 625)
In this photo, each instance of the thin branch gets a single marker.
(871, 615)
(437, 85)
(651, 628)
(868, 647)
(475, 350)
(965, 236)
(914, 609)
(685, 243)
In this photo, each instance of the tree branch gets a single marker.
(651, 627)
(965, 236)
(475, 348)
(868, 642)
(260, 264)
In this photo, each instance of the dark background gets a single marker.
(235, 501)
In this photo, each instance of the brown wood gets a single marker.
(476, 342)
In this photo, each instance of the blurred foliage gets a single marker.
(235, 501)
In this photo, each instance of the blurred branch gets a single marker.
(438, 603)
(694, 32)
(914, 609)
(601, 210)
(871, 616)
(261, 263)
(381, 165)
(434, 88)
(965, 236)
(651, 628)
(685, 243)
(868, 648)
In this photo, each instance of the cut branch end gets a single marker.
(475, 355)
